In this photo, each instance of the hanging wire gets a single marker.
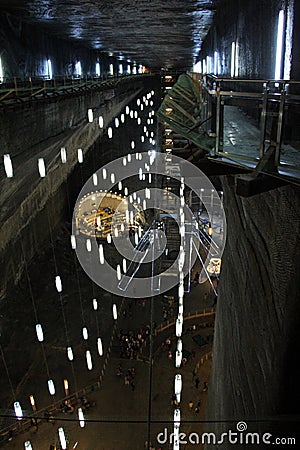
(32, 297)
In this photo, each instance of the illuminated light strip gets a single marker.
(62, 438)
(41, 167)
(279, 46)
(8, 166)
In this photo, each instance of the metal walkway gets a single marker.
(251, 124)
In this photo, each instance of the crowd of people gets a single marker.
(131, 342)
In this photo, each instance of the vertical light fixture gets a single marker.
(8, 166)
(66, 387)
(18, 410)
(236, 60)
(232, 59)
(49, 67)
(62, 438)
(98, 70)
(78, 69)
(111, 69)
(288, 40)
(279, 46)
(1, 71)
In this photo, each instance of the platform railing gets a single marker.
(272, 104)
(19, 90)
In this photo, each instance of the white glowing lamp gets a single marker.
(115, 312)
(120, 185)
(95, 179)
(88, 245)
(127, 110)
(122, 118)
(80, 155)
(90, 115)
(124, 265)
(124, 161)
(104, 174)
(109, 132)
(117, 123)
(113, 178)
(95, 304)
(41, 167)
(73, 241)
(180, 290)
(8, 166)
(39, 332)
(18, 410)
(27, 445)
(100, 346)
(70, 353)
(108, 238)
(58, 283)
(178, 383)
(179, 324)
(132, 144)
(62, 438)
(178, 358)
(177, 417)
(81, 417)
(51, 387)
(179, 345)
(85, 333)
(101, 254)
(119, 275)
(129, 157)
(101, 122)
(63, 155)
(88, 357)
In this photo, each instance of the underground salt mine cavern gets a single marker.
(149, 251)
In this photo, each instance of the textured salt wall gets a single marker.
(255, 371)
(252, 24)
(25, 48)
(28, 201)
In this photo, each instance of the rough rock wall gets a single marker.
(25, 48)
(252, 24)
(27, 201)
(256, 344)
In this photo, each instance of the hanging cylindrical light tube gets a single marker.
(73, 241)
(66, 387)
(88, 245)
(18, 410)
(39, 332)
(80, 155)
(89, 359)
(95, 304)
(51, 387)
(95, 179)
(101, 254)
(58, 283)
(62, 438)
(32, 402)
(85, 333)
(8, 166)
(100, 346)
(70, 353)
(101, 122)
(81, 417)
(109, 132)
(63, 155)
(41, 167)
(90, 115)
(115, 312)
